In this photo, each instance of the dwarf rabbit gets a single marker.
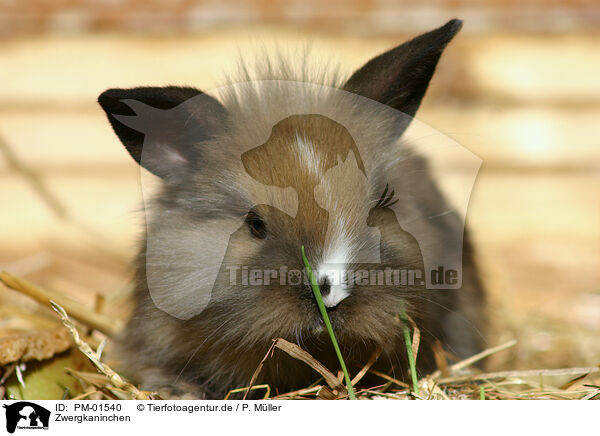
(278, 159)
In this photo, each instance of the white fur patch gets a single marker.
(335, 295)
(308, 155)
(334, 268)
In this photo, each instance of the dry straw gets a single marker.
(457, 381)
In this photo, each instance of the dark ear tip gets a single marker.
(454, 26)
(108, 97)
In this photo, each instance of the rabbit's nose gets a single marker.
(325, 286)
(332, 294)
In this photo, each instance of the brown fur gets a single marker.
(338, 188)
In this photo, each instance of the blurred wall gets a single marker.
(373, 17)
(519, 87)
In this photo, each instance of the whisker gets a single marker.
(195, 351)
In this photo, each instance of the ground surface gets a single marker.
(528, 106)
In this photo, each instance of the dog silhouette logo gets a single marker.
(26, 415)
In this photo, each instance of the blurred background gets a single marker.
(519, 87)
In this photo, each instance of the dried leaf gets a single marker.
(38, 345)
(46, 380)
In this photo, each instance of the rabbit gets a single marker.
(280, 158)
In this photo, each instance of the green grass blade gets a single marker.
(409, 352)
(317, 291)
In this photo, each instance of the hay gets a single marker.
(78, 311)
(450, 382)
(115, 379)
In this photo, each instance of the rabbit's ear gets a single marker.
(400, 77)
(161, 127)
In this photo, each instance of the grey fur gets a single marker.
(219, 349)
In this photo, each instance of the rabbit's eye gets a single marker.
(257, 226)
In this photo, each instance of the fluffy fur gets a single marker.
(299, 128)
